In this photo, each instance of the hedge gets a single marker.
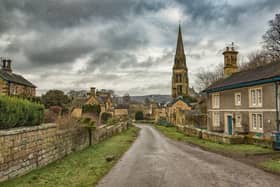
(16, 112)
(139, 115)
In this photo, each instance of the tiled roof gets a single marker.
(18, 79)
(266, 72)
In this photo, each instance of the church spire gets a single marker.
(180, 80)
(180, 58)
(180, 45)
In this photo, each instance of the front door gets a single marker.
(229, 123)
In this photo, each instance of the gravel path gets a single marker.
(156, 161)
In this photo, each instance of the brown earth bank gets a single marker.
(154, 160)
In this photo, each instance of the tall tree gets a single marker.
(55, 98)
(271, 39)
(255, 59)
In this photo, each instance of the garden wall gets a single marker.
(223, 138)
(25, 149)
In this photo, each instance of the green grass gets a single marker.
(271, 165)
(241, 149)
(84, 168)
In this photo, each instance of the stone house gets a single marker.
(14, 84)
(245, 102)
(179, 104)
(121, 111)
(102, 98)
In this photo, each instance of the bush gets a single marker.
(92, 109)
(105, 116)
(139, 115)
(56, 109)
(15, 112)
(112, 121)
(50, 116)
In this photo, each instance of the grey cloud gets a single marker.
(46, 37)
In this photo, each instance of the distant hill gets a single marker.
(156, 98)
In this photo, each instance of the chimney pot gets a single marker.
(92, 91)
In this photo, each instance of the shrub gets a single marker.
(90, 125)
(56, 109)
(50, 116)
(15, 112)
(92, 109)
(112, 121)
(139, 115)
(105, 116)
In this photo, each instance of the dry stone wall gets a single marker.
(25, 149)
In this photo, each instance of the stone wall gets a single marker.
(223, 138)
(25, 149)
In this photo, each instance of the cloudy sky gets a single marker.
(125, 45)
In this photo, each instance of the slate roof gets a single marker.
(15, 78)
(184, 99)
(259, 74)
(122, 106)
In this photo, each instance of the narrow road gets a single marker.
(155, 161)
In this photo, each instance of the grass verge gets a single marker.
(272, 165)
(84, 168)
(231, 149)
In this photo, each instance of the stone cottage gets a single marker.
(245, 102)
(14, 84)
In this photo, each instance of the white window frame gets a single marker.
(255, 97)
(237, 103)
(216, 119)
(216, 100)
(238, 123)
(256, 121)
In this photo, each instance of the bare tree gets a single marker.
(205, 78)
(271, 38)
(255, 59)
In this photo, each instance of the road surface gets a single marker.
(156, 161)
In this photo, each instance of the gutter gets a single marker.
(276, 105)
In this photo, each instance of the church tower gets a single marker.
(180, 80)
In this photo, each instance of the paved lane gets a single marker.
(155, 161)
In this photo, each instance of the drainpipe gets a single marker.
(276, 105)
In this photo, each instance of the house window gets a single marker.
(216, 100)
(257, 121)
(255, 96)
(216, 119)
(237, 99)
(238, 120)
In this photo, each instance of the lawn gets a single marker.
(240, 149)
(84, 168)
(271, 165)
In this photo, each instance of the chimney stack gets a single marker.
(230, 61)
(9, 65)
(6, 64)
(93, 91)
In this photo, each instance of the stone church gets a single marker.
(180, 83)
(180, 80)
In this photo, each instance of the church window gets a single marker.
(178, 78)
(179, 90)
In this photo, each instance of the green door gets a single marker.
(229, 122)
